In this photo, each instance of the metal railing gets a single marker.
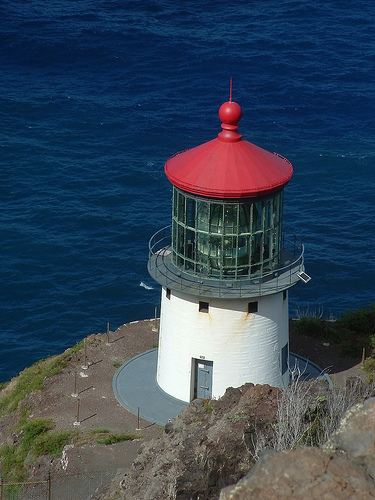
(57, 486)
(162, 269)
(28, 490)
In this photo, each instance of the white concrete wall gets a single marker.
(243, 347)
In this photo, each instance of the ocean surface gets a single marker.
(96, 95)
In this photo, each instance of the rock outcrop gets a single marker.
(343, 469)
(211, 445)
(203, 449)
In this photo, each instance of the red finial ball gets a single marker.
(230, 113)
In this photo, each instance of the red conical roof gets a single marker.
(228, 166)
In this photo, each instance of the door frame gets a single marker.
(194, 372)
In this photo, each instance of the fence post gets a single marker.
(1, 487)
(77, 422)
(75, 393)
(85, 364)
(49, 486)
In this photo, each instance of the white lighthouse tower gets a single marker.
(225, 267)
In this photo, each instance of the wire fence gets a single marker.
(58, 487)
(27, 490)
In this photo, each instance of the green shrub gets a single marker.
(33, 429)
(351, 347)
(12, 462)
(207, 407)
(13, 457)
(359, 321)
(52, 443)
(310, 327)
(353, 330)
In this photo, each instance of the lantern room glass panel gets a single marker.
(223, 239)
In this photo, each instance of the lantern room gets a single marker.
(226, 239)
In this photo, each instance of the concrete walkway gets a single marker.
(135, 386)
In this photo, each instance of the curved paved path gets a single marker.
(135, 386)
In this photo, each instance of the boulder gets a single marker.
(343, 469)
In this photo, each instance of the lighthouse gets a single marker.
(225, 266)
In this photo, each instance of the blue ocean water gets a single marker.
(96, 95)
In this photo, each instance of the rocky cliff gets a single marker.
(343, 469)
(213, 444)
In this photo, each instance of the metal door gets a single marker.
(203, 379)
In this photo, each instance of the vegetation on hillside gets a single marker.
(31, 379)
(308, 414)
(32, 437)
(352, 332)
(37, 437)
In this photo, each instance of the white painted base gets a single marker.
(243, 347)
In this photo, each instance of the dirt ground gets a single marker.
(81, 397)
(82, 393)
(325, 356)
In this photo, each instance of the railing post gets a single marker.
(138, 422)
